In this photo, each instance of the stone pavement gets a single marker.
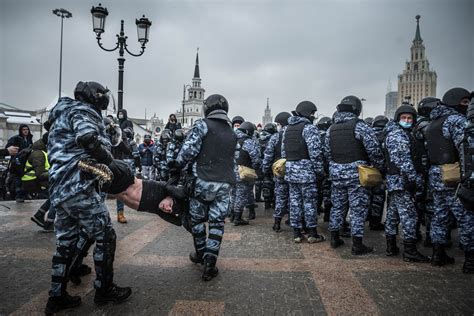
(261, 273)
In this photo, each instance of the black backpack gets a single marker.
(17, 163)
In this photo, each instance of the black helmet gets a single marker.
(405, 108)
(93, 93)
(165, 135)
(305, 109)
(247, 127)
(215, 102)
(238, 119)
(380, 121)
(453, 96)
(270, 128)
(179, 135)
(426, 105)
(147, 137)
(350, 104)
(282, 118)
(369, 120)
(324, 123)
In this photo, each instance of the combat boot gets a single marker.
(210, 270)
(392, 249)
(239, 221)
(297, 235)
(427, 242)
(121, 218)
(314, 237)
(196, 257)
(411, 254)
(468, 266)
(48, 226)
(346, 230)
(38, 218)
(358, 248)
(76, 273)
(375, 223)
(251, 211)
(336, 241)
(231, 217)
(277, 225)
(112, 293)
(58, 303)
(440, 257)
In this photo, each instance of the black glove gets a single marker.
(173, 164)
(123, 177)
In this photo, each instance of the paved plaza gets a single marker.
(261, 273)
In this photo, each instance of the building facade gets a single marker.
(417, 80)
(391, 104)
(193, 101)
(267, 115)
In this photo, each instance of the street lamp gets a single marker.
(62, 13)
(99, 15)
(184, 98)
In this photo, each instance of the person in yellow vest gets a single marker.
(35, 180)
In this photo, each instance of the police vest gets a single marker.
(215, 161)
(244, 157)
(345, 148)
(440, 149)
(29, 173)
(295, 145)
(415, 154)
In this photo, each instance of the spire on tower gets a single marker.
(417, 34)
(196, 67)
(268, 104)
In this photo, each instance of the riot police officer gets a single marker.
(350, 142)
(214, 174)
(265, 181)
(271, 155)
(403, 176)
(301, 147)
(324, 186)
(443, 137)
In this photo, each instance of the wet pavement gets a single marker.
(260, 273)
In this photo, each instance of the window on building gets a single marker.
(416, 55)
(195, 94)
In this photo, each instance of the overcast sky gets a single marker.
(287, 50)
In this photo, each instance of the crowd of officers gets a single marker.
(343, 167)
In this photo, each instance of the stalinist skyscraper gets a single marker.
(417, 80)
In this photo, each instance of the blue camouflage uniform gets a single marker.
(81, 214)
(444, 197)
(281, 186)
(159, 158)
(244, 189)
(346, 189)
(324, 185)
(210, 199)
(302, 176)
(400, 150)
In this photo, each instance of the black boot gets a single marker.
(38, 218)
(77, 272)
(392, 249)
(427, 242)
(251, 211)
(297, 235)
(112, 293)
(210, 269)
(277, 225)
(358, 248)
(232, 217)
(468, 266)
(440, 258)
(411, 254)
(238, 221)
(196, 257)
(58, 303)
(314, 237)
(335, 240)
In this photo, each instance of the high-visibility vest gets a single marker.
(29, 173)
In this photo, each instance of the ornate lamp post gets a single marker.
(99, 15)
(62, 13)
(184, 99)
